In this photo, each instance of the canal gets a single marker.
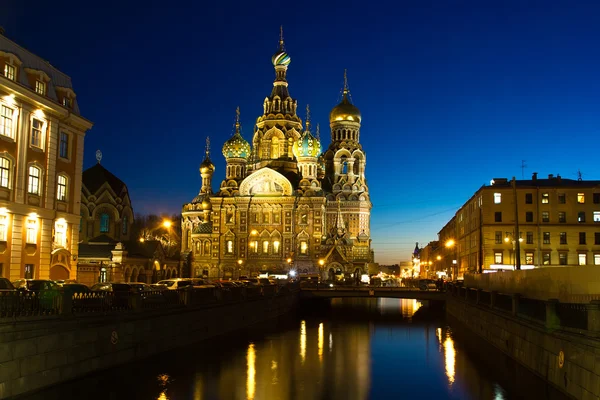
(346, 349)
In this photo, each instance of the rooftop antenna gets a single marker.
(579, 175)
(523, 166)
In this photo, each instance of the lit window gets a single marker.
(254, 246)
(545, 216)
(596, 259)
(276, 247)
(562, 258)
(562, 217)
(36, 132)
(581, 198)
(4, 171)
(29, 269)
(40, 87)
(9, 71)
(546, 259)
(104, 223)
(61, 190)
(563, 237)
(497, 198)
(31, 236)
(64, 145)
(596, 216)
(229, 248)
(546, 236)
(498, 258)
(581, 216)
(528, 258)
(265, 246)
(34, 180)
(6, 121)
(303, 247)
(545, 198)
(3, 227)
(66, 102)
(60, 233)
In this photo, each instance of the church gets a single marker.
(286, 203)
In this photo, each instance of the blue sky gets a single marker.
(452, 93)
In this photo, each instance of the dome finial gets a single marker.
(207, 146)
(307, 118)
(281, 47)
(346, 90)
(237, 119)
(318, 133)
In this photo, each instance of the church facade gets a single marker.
(285, 204)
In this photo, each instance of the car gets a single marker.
(43, 289)
(139, 286)
(198, 283)
(176, 283)
(427, 284)
(117, 287)
(34, 285)
(61, 282)
(6, 286)
(72, 288)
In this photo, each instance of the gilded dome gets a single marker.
(281, 58)
(236, 147)
(345, 111)
(307, 146)
(207, 166)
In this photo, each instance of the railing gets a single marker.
(553, 315)
(19, 304)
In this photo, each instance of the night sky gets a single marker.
(452, 93)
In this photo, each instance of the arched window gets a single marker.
(275, 147)
(229, 247)
(61, 188)
(104, 222)
(207, 248)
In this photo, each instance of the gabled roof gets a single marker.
(93, 178)
(96, 251)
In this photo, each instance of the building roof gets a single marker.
(551, 181)
(96, 251)
(93, 178)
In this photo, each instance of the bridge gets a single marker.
(362, 291)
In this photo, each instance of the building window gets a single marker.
(581, 237)
(303, 247)
(528, 198)
(6, 121)
(229, 218)
(29, 271)
(265, 217)
(497, 198)
(33, 186)
(64, 145)
(562, 198)
(61, 190)
(498, 237)
(581, 198)
(275, 217)
(36, 132)
(40, 87)
(596, 198)
(104, 223)
(596, 259)
(498, 216)
(546, 259)
(254, 246)
(9, 72)
(545, 198)
(545, 216)
(4, 172)
(206, 249)
(546, 236)
(3, 228)
(229, 247)
(528, 258)
(31, 231)
(276, 247)
(498, 258)
(562, 217)
(303, 218)
(60, 233)
(596, 237)
(125, 227)
(265, 246)
(529, 216)
(103, 275)
(563, 237)
(66, 102)
(596, 216)
(581, 216)
(562, 258)
(529, 238)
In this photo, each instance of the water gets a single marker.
(346, 349)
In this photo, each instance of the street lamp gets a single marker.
(510, 237)
(450, 243)
(240, 262)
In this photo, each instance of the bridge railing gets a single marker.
(32, 304)
(552, 314)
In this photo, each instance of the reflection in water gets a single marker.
(320, 344)
(303, 341)
(163, 380)
(330, 342)
(450, 358)
(251, 374)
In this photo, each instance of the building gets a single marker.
(533, 223)
(283, 205)
(108, 249)
(41, 156)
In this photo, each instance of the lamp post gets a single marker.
(452, 244)
(240, 262)
(516, 248)
(321, 264)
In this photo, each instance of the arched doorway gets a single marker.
(331, 274)
(59, 272)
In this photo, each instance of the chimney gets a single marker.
(558, 177)
(534, 176)
(550, 176)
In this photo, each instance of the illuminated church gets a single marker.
(286, 204)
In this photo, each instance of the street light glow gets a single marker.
(166, 223)
(450, 243)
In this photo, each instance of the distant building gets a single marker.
(108, 252)
(283, 205)
(558, 225)
(41, 157)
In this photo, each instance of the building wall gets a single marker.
(52, 247)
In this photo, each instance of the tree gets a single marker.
(164, 228)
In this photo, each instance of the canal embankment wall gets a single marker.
(557, 340)
(44, 350)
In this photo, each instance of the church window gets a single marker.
(303, 247)
(303, 218)
(206, 248)
(265, 217)
(254, 246)
(275, 147)
(104, 222)
(275, 217)
(197, 247)
(255, 217)
(229, 247)
(276, 247)
(266, 246)
(230, 219)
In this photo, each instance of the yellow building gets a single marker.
(283, 205)
(557, 224)
(41, 156)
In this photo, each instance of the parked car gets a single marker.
(44, 290)
(6, 286)
(176, 283)
(112, 287)
(157, 287)
(139, 286)
(61, 282)
(72, 288)
(34, 285)
(427, 284)
(202, 284)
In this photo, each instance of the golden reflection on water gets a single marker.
(450, 358)
(330, 342)
(251, 374)
(163, 380)
(321, 340)
(303, 341)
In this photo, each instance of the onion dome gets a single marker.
(281, 57)
(236, 146)
(345, 111)
(307, 145)
(207, 166)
